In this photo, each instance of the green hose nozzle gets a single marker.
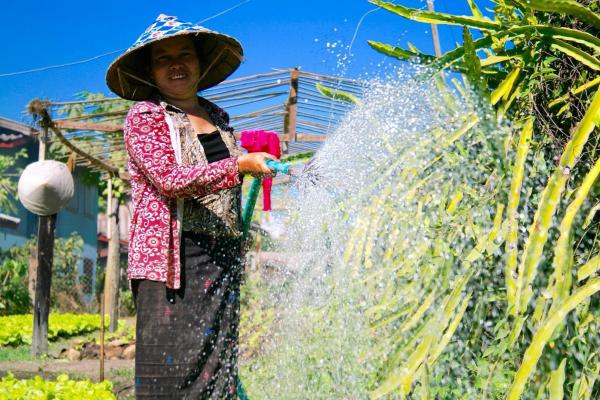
(278, 166)
(275, 166)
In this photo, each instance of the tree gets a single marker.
(8, 181)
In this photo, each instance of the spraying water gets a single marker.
(378, 256)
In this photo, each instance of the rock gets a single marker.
(129, 352)
(90, 350)
(73, 355)
(113, 352)
(116, 343)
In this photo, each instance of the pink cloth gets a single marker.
(268, 142)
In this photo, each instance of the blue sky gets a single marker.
(275, 34)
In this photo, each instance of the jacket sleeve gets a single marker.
(148, 145)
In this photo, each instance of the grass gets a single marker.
(122, 379)
(23, 352)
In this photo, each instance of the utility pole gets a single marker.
(434, 32)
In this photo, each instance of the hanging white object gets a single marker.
(45, 187)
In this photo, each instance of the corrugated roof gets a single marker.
(13, 133)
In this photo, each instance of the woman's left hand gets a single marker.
(255, 163)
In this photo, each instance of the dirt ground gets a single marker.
(120, 372)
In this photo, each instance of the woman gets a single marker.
(185, 250)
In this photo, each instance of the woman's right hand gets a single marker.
(255, 163)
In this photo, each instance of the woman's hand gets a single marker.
(255, 163)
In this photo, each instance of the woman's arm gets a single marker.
(149, 146)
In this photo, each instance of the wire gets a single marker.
(223, 12)
(105, 54)
(61, 65)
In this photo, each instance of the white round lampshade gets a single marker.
(45, 187)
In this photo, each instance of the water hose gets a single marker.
(275, 166)
(241, 393)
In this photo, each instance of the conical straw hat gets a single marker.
(219, 54)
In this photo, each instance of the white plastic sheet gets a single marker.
(45, 187)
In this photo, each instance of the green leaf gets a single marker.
(453, 55)
(338, 95)
(543, 335)
(472, 62)
(569, 7)
(563, 248)
(436, 17)
(413, 48)
(400, 53)
(593, 211)
(505, 88)
(568, 34)
(491, 60)
(402, 377)
(475, 9)
(557, 381)
(550, 199)
(589, 268)
(576, 53)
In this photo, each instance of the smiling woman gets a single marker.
(175, 67)
(185, 244)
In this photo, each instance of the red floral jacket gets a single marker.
(157, 181)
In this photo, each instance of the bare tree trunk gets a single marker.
(113, 273)
(41, 302)
(32, 274)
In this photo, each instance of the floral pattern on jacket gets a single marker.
(156, 183)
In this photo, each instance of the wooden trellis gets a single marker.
(91, 131)
(284, 101)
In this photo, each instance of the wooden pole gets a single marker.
(33, 267)
(434, 32)
(111, 282)
(43, 141)
(41, 302)
(289, 121)
(101, 338)
(42, 271)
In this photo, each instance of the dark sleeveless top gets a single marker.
(214, 147)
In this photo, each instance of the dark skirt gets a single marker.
(187, 339)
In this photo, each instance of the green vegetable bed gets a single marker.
(17, 329)
(62, 388)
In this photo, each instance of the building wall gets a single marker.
(79, 216)
(16, 237)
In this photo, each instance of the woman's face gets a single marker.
(175, 67)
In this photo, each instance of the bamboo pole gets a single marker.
(88, 126)
(276, 72)
(122, 112)
(111, 281)
(289, 121)
(65, 103)
(101, 357)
